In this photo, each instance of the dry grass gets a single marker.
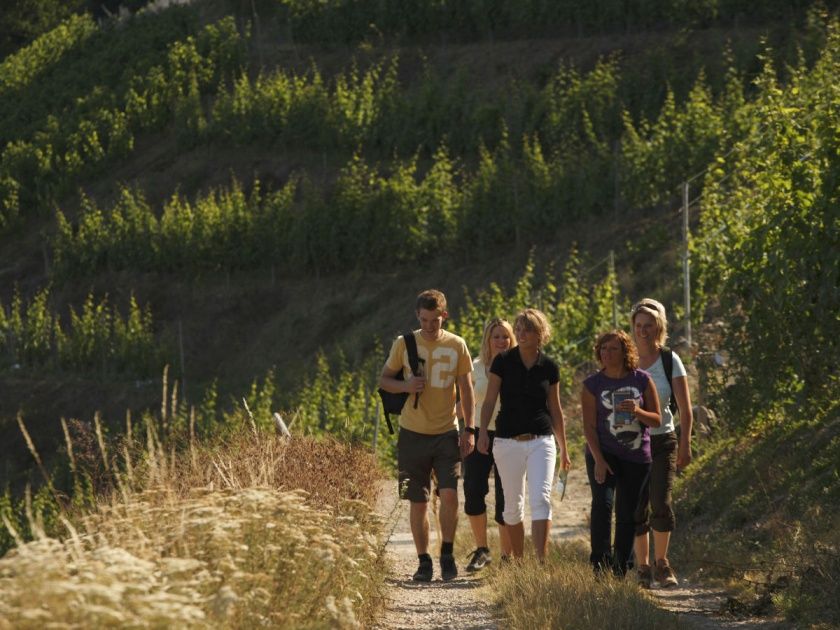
(256, 531)
(563, 593)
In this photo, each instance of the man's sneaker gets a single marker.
(448, 570)
(480, 559)
(424, 571)
(664, 574)
(644, 575)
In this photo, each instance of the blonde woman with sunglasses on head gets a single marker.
(650, 330)
(498, 337)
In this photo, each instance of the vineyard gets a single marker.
(97, 337)
(252, 194)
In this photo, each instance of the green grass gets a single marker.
(759, 511)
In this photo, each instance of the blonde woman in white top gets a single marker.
(498, 337)
(668, 452)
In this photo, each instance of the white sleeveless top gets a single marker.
(479, 376)
(660, 381)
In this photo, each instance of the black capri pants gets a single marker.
(476, 472)
(655, 507)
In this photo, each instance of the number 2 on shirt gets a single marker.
(444, 362)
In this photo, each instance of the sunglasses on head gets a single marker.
(641, 305)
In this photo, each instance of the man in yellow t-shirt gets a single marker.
(429, 437)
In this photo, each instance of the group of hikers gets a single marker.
(513, 425)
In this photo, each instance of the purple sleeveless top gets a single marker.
(630, 442)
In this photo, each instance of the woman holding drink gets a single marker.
(619, 404)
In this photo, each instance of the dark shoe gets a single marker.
(448, 570)
(664, 574)
(644, 575)
(480, 559)
(424, 571)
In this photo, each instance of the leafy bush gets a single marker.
(577, 307)
(766, 247)
(100, 128)
(24, 20)
(97, 339)
(768, 239)
(23, 67)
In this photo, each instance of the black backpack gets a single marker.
(393, 403)
(668, 366)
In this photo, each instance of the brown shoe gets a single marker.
(644, 575)
(664, 574)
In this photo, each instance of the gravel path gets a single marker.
(438, 604)
(463, 603)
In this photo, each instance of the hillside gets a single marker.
(199, 306)
(253, 192)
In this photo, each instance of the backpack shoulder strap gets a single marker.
(413, 359)
(667, 362)
(411, 348)
(668, 367)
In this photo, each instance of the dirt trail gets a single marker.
(460, 603)
(463, 604)
(454, 604)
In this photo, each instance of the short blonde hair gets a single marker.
(532, 319)
(631, 355)
(484, 352)
(656, 310)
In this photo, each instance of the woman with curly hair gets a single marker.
(619, 404)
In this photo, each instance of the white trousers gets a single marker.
(531, 459)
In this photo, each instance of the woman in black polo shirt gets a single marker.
(529, 421)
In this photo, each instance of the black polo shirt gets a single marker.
(524, 394)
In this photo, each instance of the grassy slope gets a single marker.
(760, 511)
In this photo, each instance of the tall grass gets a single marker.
(249, 530)
(563, 593)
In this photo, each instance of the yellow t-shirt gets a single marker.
(480, 381)
(441, 362)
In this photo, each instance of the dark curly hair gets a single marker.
(631, 355)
